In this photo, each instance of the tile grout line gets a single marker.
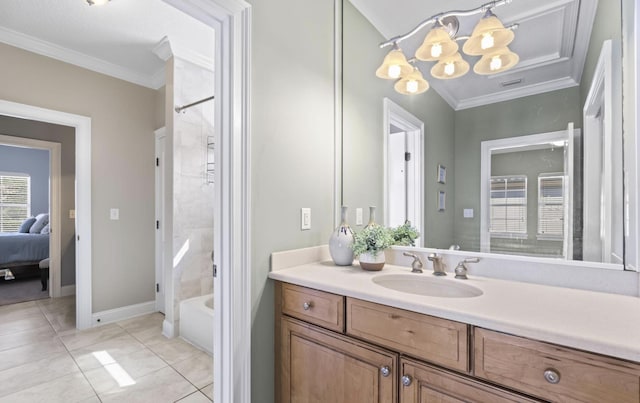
(170, 365)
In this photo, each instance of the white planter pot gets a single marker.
(370, 262)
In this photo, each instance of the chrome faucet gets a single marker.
(461, 269)
(438, 265)
(416, 265)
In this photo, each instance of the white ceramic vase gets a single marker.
(341, 242)
(370, 262)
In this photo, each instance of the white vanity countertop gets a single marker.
(608, 324)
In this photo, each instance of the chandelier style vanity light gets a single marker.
(490, 40)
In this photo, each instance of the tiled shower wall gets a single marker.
(193, 194)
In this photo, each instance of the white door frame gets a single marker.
(55, 215)
(231, 20)
(82, 125)
(511, 144)
(160, 177)
(604, 144)
(396, 115)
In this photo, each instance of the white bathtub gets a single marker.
(196, 321)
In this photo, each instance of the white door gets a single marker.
(397, 175)
(160, 191)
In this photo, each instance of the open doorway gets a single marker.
(29, 208)
(404, 145)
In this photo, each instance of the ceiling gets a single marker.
(117, 39)
(551, 40)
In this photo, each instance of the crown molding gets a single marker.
(66, 55)
(508, 95)
(165, 49)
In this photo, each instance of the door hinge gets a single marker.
(157, 287)
(407, 156)
(215, 270)
(78, 237)
(157, 162)
(157, 224)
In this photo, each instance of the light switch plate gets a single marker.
(72, 214)
(114, 214)
(305, 218)
(467, 213)
(359, 216)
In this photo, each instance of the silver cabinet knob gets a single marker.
(385, 371)
(406, 380)
(307, 305)
(552, 375)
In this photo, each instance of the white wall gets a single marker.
(123, 120)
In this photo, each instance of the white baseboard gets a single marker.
(125, 312)
(67, 290)
(168, 329)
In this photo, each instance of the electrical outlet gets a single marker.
(72, 214)
(114, 214)
(359, 216)
(305, 218)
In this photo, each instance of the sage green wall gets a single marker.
(541, 113)
(531, 164)
(363, 131)
(292, 146)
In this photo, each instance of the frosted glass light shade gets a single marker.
(437, 44)
(487, 36)
(412, 84)
(496, 62)
(394, 66)
(450, 67)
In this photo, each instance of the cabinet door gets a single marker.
(320, 366)
(421, 383)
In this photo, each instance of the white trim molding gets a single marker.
(82, 124)
(125, 312)
(231, 20)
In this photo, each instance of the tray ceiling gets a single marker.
(552, 41)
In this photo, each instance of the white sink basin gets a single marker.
(421, 284)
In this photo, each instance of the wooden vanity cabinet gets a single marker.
(333, 349)
(319, 366)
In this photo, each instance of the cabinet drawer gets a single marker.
(424, 383)
(439, 341)
(579, 377)
(317, 307)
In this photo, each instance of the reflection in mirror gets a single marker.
(558, 212)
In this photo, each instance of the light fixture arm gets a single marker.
(439, 17)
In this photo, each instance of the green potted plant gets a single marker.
(405, 235)
(369, 244)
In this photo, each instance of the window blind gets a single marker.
(15, 201)
(508, 205)
(551, 205)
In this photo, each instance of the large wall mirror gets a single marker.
(525, 162)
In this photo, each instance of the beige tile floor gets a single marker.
(43, 358)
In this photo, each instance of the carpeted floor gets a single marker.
(21, 290)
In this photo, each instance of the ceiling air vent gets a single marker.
(510, 83)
